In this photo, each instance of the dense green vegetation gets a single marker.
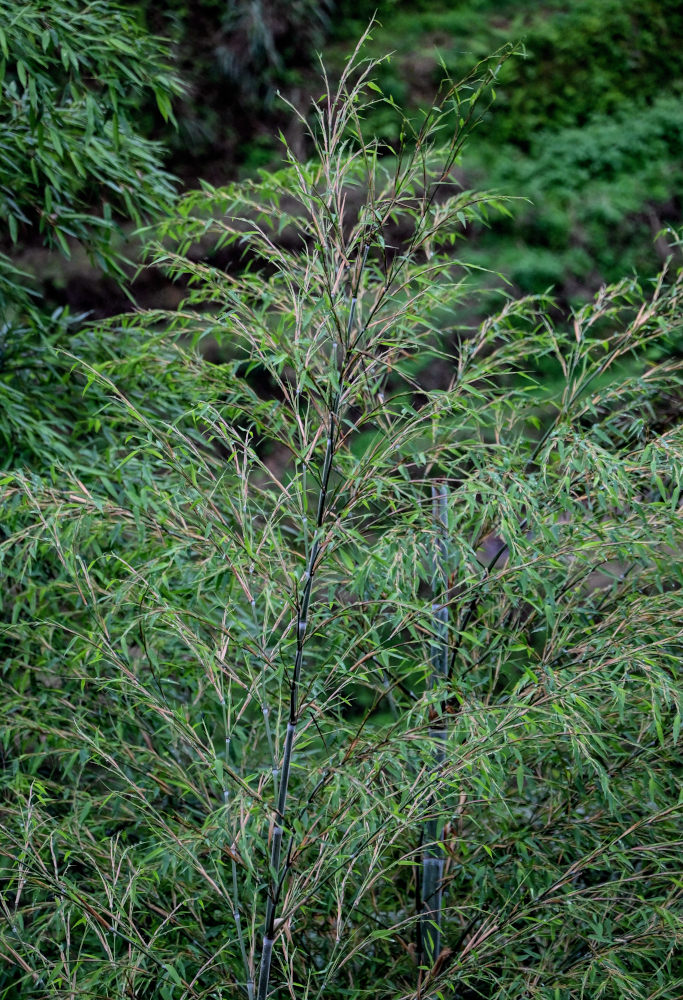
(341, 620)
(611, 70)
(586, 126)
(74, 168)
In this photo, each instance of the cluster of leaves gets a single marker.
(238, 655)
(74, 170)
(71, 77)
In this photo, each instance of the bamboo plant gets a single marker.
(356, 673)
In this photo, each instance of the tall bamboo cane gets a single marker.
(278, 874)
(432, 857)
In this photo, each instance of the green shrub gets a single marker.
(586, 127)
(75, 175)
(72, 79)
(369, 686)
(591, 58)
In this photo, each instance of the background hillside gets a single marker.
(586, 130)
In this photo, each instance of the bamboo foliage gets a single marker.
(311, 660)
(433, 860)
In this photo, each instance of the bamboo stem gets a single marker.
(281, 808)
(277, 876)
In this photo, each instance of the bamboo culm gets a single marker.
(278, 876)
(301, 625)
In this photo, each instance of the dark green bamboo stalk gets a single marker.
(278, 876)
(432, 857)
(301, 626)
